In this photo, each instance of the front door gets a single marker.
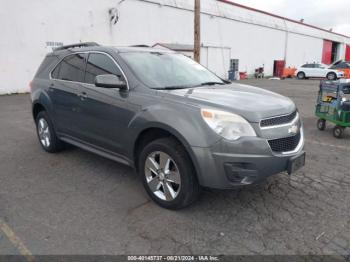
(104, 111)
(320, 70)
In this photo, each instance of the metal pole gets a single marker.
(285, 43)
(197, 31)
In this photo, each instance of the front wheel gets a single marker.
(331, 76)
(321, 124)
(167, 174)
(338, 131)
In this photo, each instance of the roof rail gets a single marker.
(139, 46)
(85, 44)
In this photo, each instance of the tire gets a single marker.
(338, 131)
(46, 133)
(331, 76)
(168, 174)
(321, 124)
(301, 75)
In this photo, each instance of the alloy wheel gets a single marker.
(44, 132)
(162, 176)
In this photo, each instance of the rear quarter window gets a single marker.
(56, 71)
(47, 64)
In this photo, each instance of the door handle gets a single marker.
(83, 95)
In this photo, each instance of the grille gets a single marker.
(279, 120)
(285, 144)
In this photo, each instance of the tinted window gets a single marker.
(100, 64)
(46, 65)
(307, 66)
(56, 71)
(71, 68)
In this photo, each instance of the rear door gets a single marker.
(104, 112)
(306, 69)
(66, 85)
(310, 70)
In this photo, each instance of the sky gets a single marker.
(326, 14)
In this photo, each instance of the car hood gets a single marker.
(252, 103)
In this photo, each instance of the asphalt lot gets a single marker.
(75, 202)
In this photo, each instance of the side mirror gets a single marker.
(109, 81)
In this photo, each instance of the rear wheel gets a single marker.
(338, 131)
(167, 174)
(301, 75)
(331, 76)
(321, 124)
(46, 133)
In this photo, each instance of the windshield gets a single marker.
(168, 70)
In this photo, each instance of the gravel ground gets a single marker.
(75, 202)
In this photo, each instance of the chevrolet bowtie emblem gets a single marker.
(293, 129)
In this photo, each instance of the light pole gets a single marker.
(197, 31)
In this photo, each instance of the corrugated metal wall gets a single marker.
(29, 28)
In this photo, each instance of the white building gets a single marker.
(29, 29)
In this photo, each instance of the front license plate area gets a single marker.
(295, 163)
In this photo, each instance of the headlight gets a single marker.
(227, 125)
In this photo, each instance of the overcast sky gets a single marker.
(322, 13)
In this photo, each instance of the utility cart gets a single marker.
(333, 105)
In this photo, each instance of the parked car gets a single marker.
(343, 66)
(180, 126)
(317, 70)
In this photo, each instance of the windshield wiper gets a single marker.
(172, 87)
(211, 83)
(188, 86)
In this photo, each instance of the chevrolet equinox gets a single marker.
(179, 125)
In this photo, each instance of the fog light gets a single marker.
(241, 173)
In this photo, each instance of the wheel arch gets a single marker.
(41, 100)
(154, 132)
(37, 108)
(43, 104)
(333, 73)
(303, 72)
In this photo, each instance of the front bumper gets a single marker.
(249, 160)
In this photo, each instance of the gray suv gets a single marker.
(179, 125)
